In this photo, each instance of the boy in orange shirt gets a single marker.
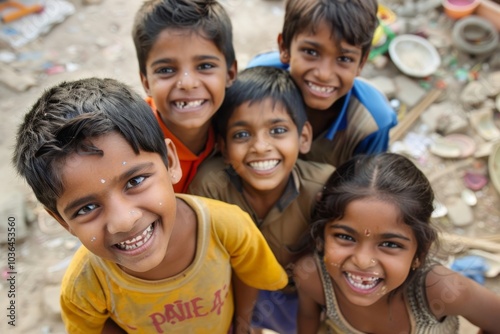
(186, 62)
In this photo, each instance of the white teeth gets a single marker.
(364, 283)
(264, 165)
(190, 104)
(320, 89)
(137, 241)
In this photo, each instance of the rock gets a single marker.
(15, 80)
(459, 212)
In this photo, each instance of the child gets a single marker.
(151, 261)
(371, 272)
(325, 45)
(263, 128)
(186, 61)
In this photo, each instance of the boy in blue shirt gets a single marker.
(325, 45)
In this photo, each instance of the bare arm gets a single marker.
(245, 298)
(110, 327)
(311, 296)
(450, 293)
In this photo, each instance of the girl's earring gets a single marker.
(319, 246)
(416, 264)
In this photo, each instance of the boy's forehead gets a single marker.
(267, 108)
(322, 34)
(186, 33)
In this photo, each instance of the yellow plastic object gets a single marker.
(383, 34)
(385, 17)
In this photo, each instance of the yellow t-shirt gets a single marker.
(198, 300)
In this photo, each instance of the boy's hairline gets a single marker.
(313, 28)
(189, 30)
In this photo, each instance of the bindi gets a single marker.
(367, 232)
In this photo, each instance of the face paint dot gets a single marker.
(103, 180)
(93, 239)
(367, 232)
(124, 163)
(373, 261)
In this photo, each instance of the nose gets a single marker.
(325, 70)
(187, 80)
(364, 258)
(122, 216)
(261, 143)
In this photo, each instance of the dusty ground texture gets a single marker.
(96, 41)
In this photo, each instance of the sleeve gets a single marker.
(383, 115)
(251, 258)
(377, 142)
(83, 307)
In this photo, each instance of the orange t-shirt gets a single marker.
(189, 161)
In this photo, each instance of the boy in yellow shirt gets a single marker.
(151, 261)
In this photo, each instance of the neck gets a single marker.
(321, 120)
(263, 201)
(195, 139)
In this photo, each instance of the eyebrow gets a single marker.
(73, 205)
(350, 230)
(272, 121)
(343, 49)
(196, 58)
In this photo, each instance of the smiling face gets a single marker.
(262, 144)
(323, 69)
(186, 75)
(369, 252)
(121, 205)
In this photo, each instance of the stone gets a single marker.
(408, 91)
(459, 213)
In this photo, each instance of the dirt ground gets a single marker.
(96, 41)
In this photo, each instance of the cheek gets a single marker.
(333, 256)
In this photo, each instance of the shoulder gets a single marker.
(211, 176)
(82, 275)
(315, 172)
(375, 102)
(216, 212)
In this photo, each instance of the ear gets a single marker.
(284, 52)
(231, 74)
(174, 165)
(305, 138)
(362, 63)
(59, 219)
(415, 264)
(145, 83)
